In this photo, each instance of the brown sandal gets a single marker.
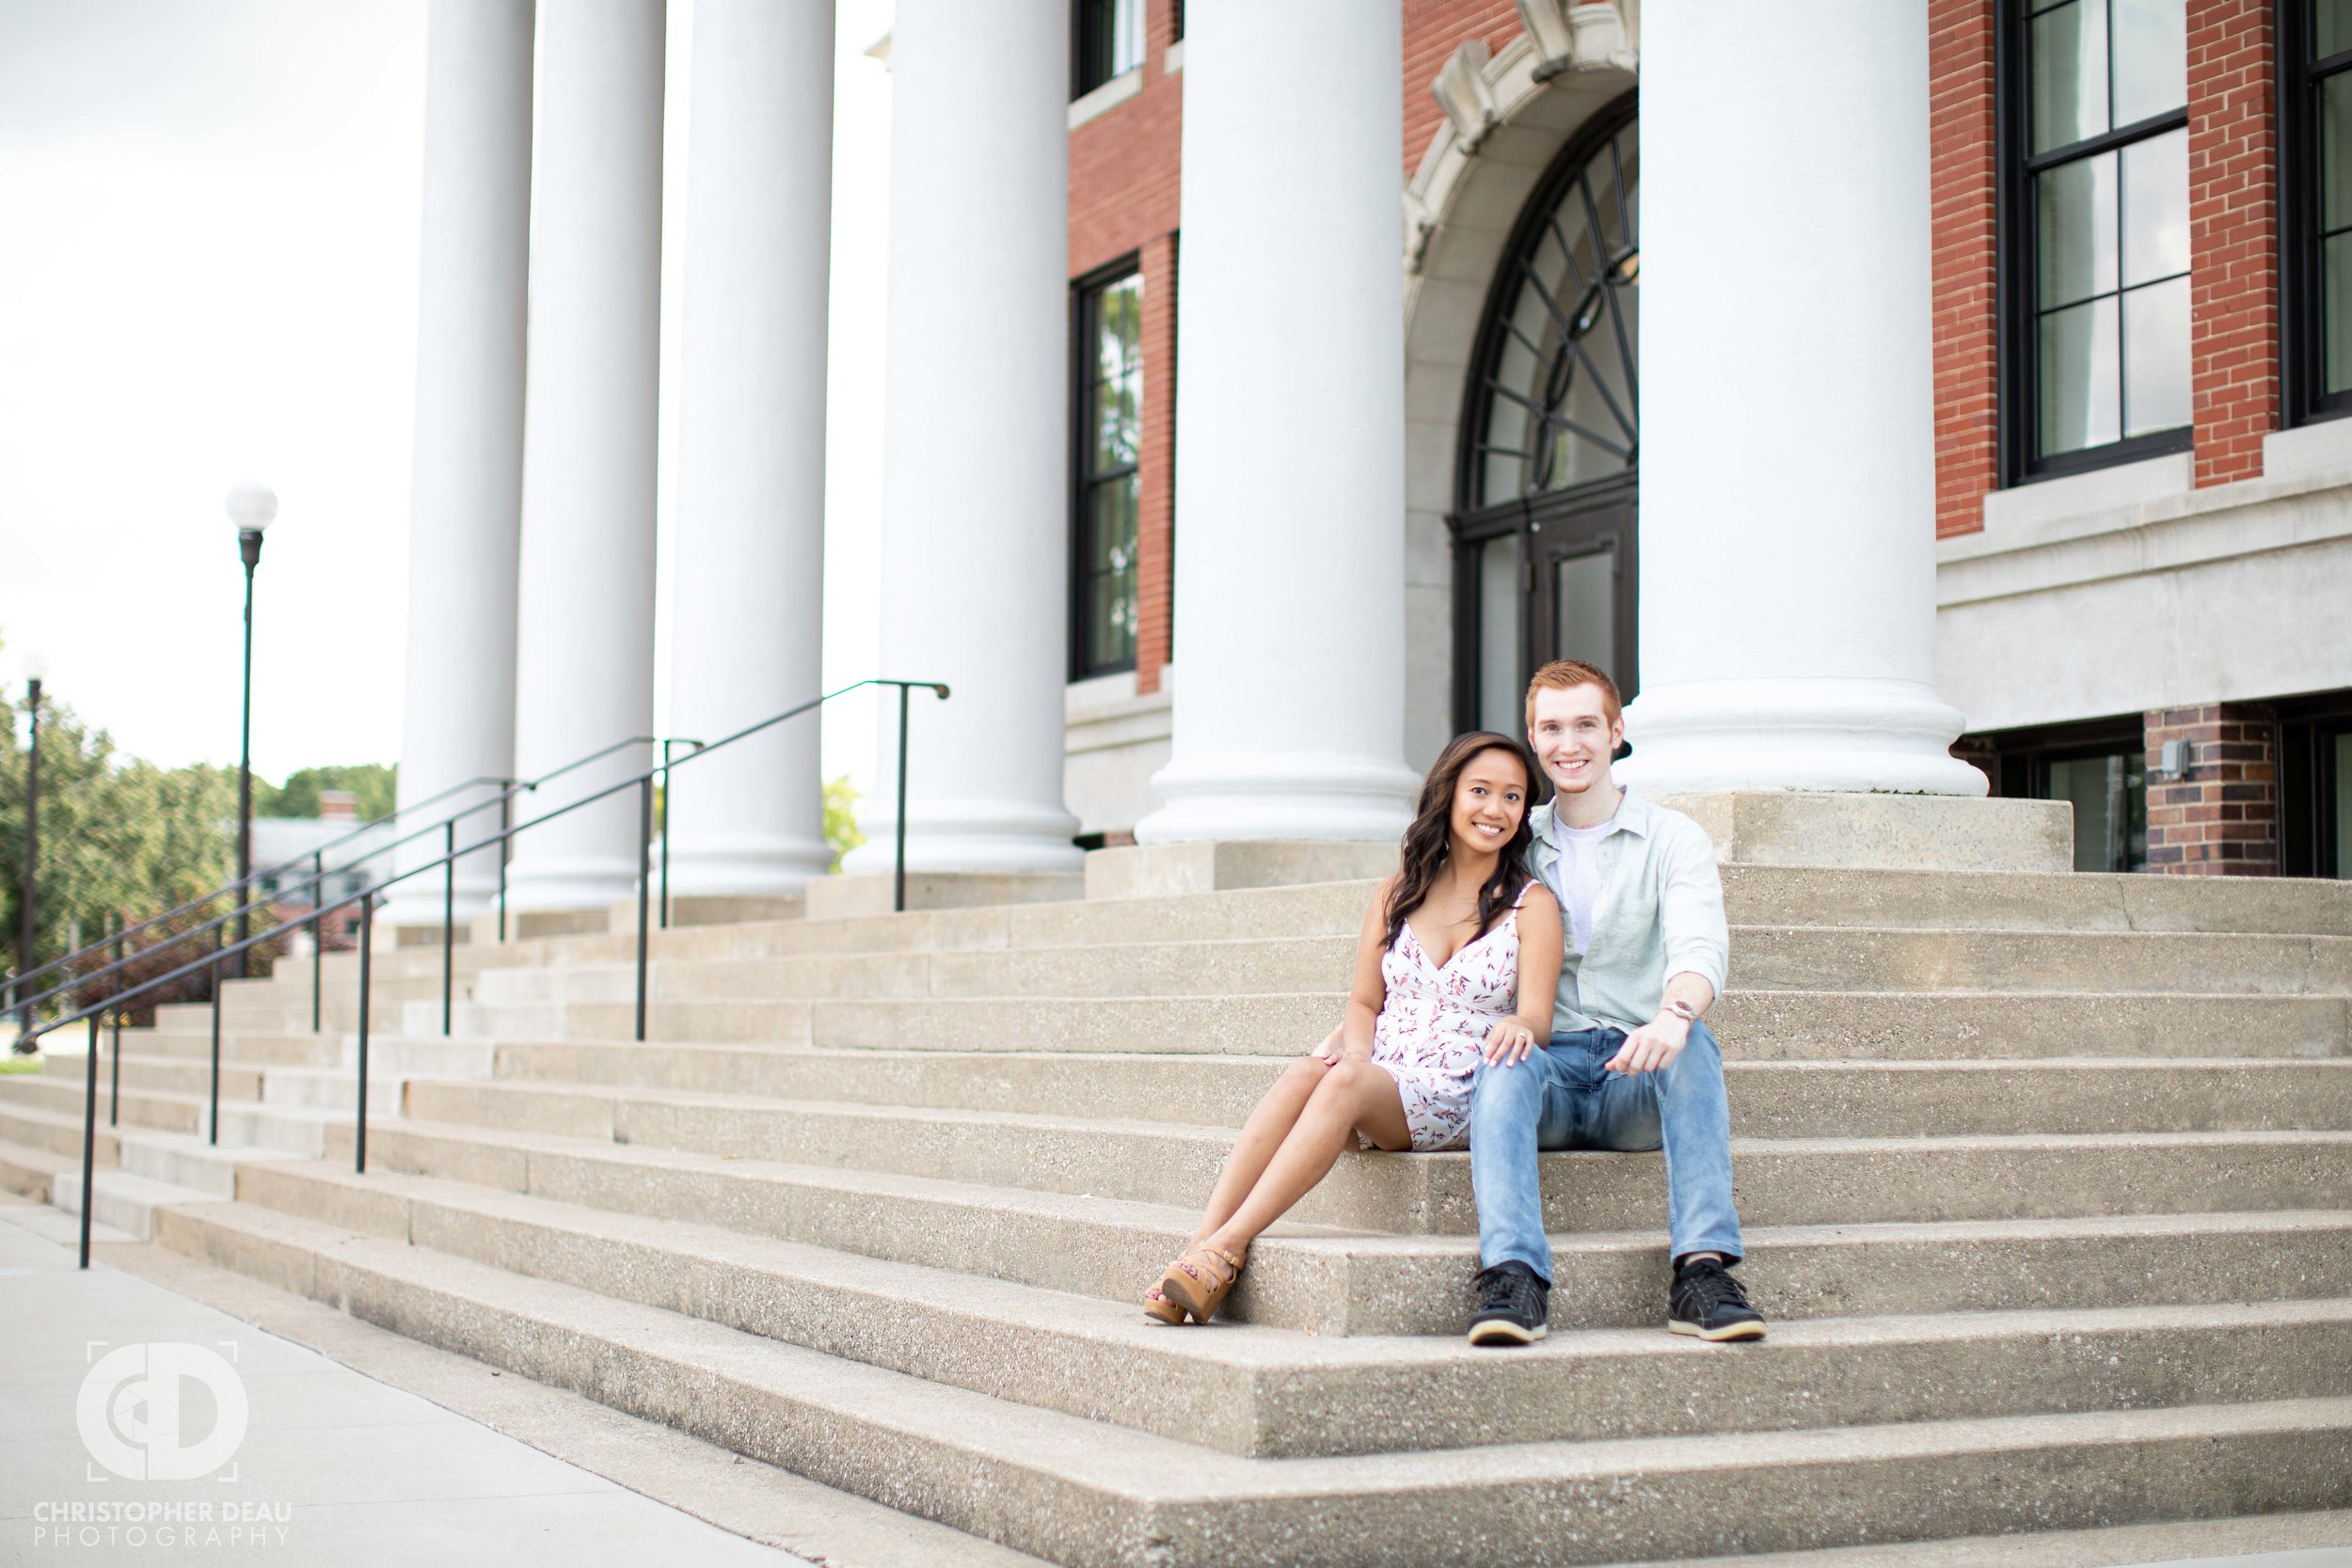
(1195, 1283)
(1159, 1308)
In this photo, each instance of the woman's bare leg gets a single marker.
(1260, 1135)
(1354, 1094)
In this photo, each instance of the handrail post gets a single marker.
(318, 948)
(214, 1130)
(367, 944)
(449, 915)
(506, 826)
(898, 873)
(114, 1098)
(644, 849)
(89, 1137)
(667, 787)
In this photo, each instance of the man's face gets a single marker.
(1573, 737)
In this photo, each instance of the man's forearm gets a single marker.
(1691, 990)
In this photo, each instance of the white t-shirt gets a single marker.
(1579, 870)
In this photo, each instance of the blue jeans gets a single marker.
(1564, 1098)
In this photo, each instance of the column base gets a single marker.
(990, 837)
(1289, 796)
(857, 895)
(1883, 832)
(1696, 737)
(703, 867)
(1164, 870)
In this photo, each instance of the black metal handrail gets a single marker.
(315, 880)
(366, 898)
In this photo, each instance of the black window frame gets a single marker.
(2308, 832)
(2294, 131)
(2018, 407)
(1093, 35)
(1083, 479)
(2016, 763)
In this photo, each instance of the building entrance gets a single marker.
(1544, 529)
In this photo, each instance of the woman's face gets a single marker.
(1489, 799)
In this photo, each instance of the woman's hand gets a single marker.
(1509, 1041)
(1332, 1048)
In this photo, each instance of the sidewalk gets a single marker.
(335, 1467)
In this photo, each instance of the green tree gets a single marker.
(376, 786)
(841, 819)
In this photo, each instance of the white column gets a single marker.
(585, 669)
(748, 572)
(466, 463)
(1290, 419)
(975, 551)
(1788, 614)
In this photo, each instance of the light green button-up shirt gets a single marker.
(1660, 913)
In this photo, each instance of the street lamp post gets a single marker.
(25, 907)
(250, 507)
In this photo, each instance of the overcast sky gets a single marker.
(208, 274)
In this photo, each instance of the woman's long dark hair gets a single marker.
(1429, 842)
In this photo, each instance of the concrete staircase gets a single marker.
(2048, 1184)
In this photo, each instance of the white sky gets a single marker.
(208, 273)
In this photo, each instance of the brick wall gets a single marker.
(1124, 194)
(2233, 233)
(2220, 817)
(1960, 133)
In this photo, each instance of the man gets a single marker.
(1630, 1066)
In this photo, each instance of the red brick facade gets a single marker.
(1124, 201)
(1433, 29)
(2220, 817)
(2234, 236)
(1960, 139)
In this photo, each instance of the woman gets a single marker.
(1448, 945)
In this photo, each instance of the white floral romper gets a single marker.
(1431, 1028)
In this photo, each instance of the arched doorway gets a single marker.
(1546, 477)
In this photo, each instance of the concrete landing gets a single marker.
(337, 1467)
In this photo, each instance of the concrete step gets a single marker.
(2070, 901)
(245, 1047)
(130, 1203)
(31, 1172)
(299, 1131)
(1338, 1282)
(163, 1075)
(1800, 1180)
(1060, 1486)
(1768, 1099)
(1775, 1025)
(48, 1115)
(1253, 1390)
(1763, 956)
(190, 1160)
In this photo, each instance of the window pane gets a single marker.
(2335, 151)
(2151, 57)
(1585, 608)
(2081, 388)
(2343, 806)
(2155, 357)
(2334, 20)
(1118, 372)
(2155, 208)
(2069, 48)
(2076, 207)
(1109, 606)
(1500, 699)
(2335, 310)
(2110, 800)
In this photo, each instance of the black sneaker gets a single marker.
(1513, 1305)
(1707, 1302)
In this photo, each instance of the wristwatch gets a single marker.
(1681, 1009)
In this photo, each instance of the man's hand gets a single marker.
(1653, 1047)
(1509, 1041)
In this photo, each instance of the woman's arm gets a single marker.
(1542, 947)
(1370, 991)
